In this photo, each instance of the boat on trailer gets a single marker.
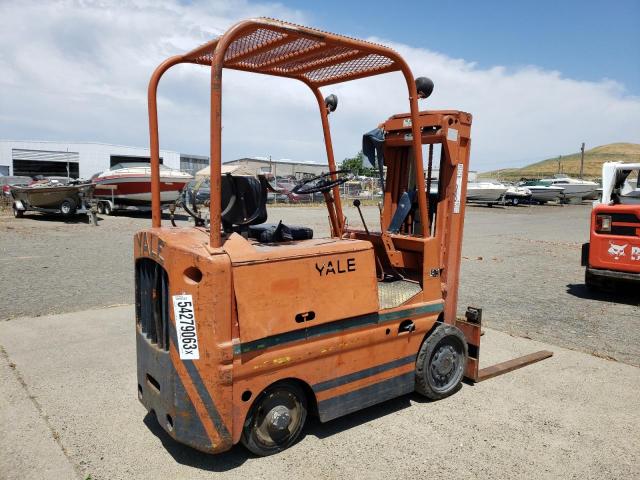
(485, 192)
(129, 185)
(50, 197)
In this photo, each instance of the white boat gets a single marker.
(516, 194)
(542, 193)
(485, 192)
(130, 184)
(574, 189)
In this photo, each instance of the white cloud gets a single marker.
(79, 71)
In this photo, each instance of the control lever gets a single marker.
(356, 203)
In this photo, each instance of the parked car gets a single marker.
(13, 181)
(202, 194)
(291, 197)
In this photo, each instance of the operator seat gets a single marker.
(244, 202)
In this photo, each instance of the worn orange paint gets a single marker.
(253, 301)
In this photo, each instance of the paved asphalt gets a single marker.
(69, 409)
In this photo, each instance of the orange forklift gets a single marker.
(242, 330)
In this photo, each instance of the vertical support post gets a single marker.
(215, 139)
(417, 147)
(336, 216)
(154, 141)
(429, 173)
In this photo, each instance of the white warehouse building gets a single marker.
(77, 159)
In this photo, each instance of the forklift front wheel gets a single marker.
(275, 420)
(441, 362)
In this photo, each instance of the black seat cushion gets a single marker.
(250, 205)
(268, 232)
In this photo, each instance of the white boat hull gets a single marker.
(545, 194)
(485, 194)
(577, 191)
(135, 188)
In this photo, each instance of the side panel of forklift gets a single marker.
(183, 348)
(615, 238)
(301, 284)
(344, 368)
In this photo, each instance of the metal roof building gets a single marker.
(280, 168)
(74, 159)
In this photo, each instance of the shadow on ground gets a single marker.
(58, 218)
(238, 454)
(625, 293)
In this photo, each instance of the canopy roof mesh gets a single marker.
(284, 49)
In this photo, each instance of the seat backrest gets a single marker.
(249, 206)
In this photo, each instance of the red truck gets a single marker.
(613, 251)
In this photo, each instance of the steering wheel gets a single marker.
(322, 183)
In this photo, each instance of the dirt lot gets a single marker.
(522, 265)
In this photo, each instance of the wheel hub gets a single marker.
(444, 363)
(279, 418)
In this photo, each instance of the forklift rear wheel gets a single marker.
(441, 362)
(275, 420)
(68, 207)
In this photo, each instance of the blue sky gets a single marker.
(584, 40)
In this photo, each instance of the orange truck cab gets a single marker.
(241, 334)
(613, 251)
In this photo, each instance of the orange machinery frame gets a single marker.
(318, 59)
(273, 47)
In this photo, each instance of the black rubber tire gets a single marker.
(251, 438)
(100, 208)
(596, 284)
(445, 339)
(18, 213)
(589, 282)
(107, 209)
(515, 202)
(68, 207)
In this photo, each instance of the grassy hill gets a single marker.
(593, 160)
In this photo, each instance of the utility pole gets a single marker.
(582, 160)
(559, 162)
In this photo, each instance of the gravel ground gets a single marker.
(522, 265)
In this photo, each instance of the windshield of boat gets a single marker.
(120, 166)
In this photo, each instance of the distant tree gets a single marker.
(358, 165)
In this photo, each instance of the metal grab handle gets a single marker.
(407, 326)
